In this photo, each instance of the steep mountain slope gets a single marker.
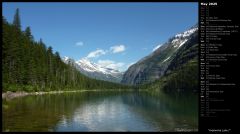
(94, 70)
(177, 51)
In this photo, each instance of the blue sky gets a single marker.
(111, 34)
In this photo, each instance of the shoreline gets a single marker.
(11, 95)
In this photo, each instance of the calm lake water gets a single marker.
(101, 111)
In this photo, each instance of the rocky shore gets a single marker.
(10, 95)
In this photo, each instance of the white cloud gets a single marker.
(117, 66)
(80, 43)
(155, 48)
(117, 49)
(96, 53)
(105, 63)
(111, 64)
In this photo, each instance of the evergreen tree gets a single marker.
(28, 33)
(28, 65)
(16, 20)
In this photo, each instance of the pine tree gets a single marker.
(16, 20)
(28, 63)
(28, 33)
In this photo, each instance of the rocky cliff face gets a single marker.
(175, 52)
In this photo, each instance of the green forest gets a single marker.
(183, 79)
(28, 65)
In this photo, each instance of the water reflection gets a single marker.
(101, 111)
(166, 113)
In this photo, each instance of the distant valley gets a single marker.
(94, 70)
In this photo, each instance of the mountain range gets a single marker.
(173, 65)
(94, 70)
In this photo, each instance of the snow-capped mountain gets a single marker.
(182, 38)
(94, 70)
(177, 50)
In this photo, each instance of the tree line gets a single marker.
(31, 66)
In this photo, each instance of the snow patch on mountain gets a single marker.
(94, 70)
(166, 59)
(182, 43)
(181, 38)
(186, 33)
